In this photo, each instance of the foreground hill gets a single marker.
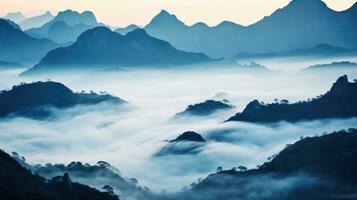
(101, 48)
(35, 99)
(19, 183)
(301, 24)
(339, 102)
(312, 168)
(16, 46)
(97, 176)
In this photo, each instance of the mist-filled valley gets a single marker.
(171, 111)
(139, 129)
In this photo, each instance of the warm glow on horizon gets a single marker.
(125, 12)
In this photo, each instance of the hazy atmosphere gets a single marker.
(194, 100)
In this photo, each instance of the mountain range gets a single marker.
(17, 46)
(334, 65)
(321, 50)
(301, 24)
(34, 100)
(31, 22)
(339, 102)
(319, 167)
(101, 48)
(36, 21)
(16, 17)
(65, 27)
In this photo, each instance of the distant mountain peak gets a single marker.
(164, 13)
(72, 17)
(15, 17)
(166, 19)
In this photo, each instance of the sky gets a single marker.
(124, 12)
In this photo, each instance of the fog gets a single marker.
(129, 136)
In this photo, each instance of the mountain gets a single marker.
(334, 65)
(206, 108)
(19, 183)
(196, 38)
(101, 48)
(301, 24)
(188, 143)
(16, 46)
(339, 102)
(321, 50)
(309, 169)
(128, 188)
(34, 100)
(189, 136)
(16, 17)
(66, 26)
(127, 29)
(36, 21)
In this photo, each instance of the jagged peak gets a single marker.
(253, 105)
(339, 85)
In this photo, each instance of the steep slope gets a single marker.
(19, 183)
(101, 48)
(34, 99)
(339, 102)
(16, 46)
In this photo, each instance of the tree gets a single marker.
(242, 168)
(108, 189)
(219, 169)
(284, 101)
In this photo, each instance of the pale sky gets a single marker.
(140, 12)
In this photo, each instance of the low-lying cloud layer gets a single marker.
(129, 136)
